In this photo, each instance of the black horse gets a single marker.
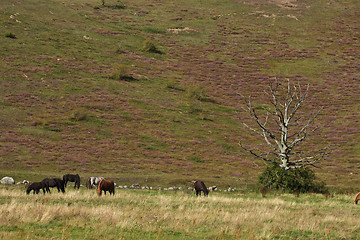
(53, 182)
(72, 178)
(200, 186)
(36, 186)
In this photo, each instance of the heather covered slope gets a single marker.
(176, 115)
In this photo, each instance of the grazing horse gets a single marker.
(36, 186)
(72, 178)
(53, 182)
(93, 182)
(106, 185)
(357, 198)
(200, 186)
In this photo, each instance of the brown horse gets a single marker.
(106, 185)
(200, 186)
(357, 198)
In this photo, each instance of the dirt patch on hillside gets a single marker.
(288, 4)
(178, 30)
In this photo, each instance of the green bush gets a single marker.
(293, 180)
(10, 35)
(120, 72)
(149, 46)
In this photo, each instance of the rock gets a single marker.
(23, 182)
(213, 188)
(7, 180)
(135, 186)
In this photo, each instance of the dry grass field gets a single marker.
(145, 214)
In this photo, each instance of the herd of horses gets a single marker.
(60, 184)
(100, 183)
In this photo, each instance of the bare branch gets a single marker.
(257, 155)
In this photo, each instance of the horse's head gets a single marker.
(62, 187)
(357, 198)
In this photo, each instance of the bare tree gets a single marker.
(282, 130)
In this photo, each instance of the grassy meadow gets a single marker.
(146, 214)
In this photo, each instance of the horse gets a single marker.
(357, 198)
(200, 186)
(53, 182)
(35, 187)
(72, 178)
(106, 185)
(93, 181)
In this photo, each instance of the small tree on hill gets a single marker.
(282, 130)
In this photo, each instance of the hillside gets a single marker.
(174, 114)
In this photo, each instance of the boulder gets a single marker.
(7, 180)
(23, 182)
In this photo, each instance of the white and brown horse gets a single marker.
(93, 182)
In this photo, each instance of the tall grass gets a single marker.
(174, 215)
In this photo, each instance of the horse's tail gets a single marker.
(113, 188)
(99, 191)
(77, 180)
(357, 198)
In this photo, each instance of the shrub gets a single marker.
(293, 180)
(173, 84)
(196, 92)
(80, 116)
(154, 30)
(10, 35)
(120, 72)
(149, 46)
